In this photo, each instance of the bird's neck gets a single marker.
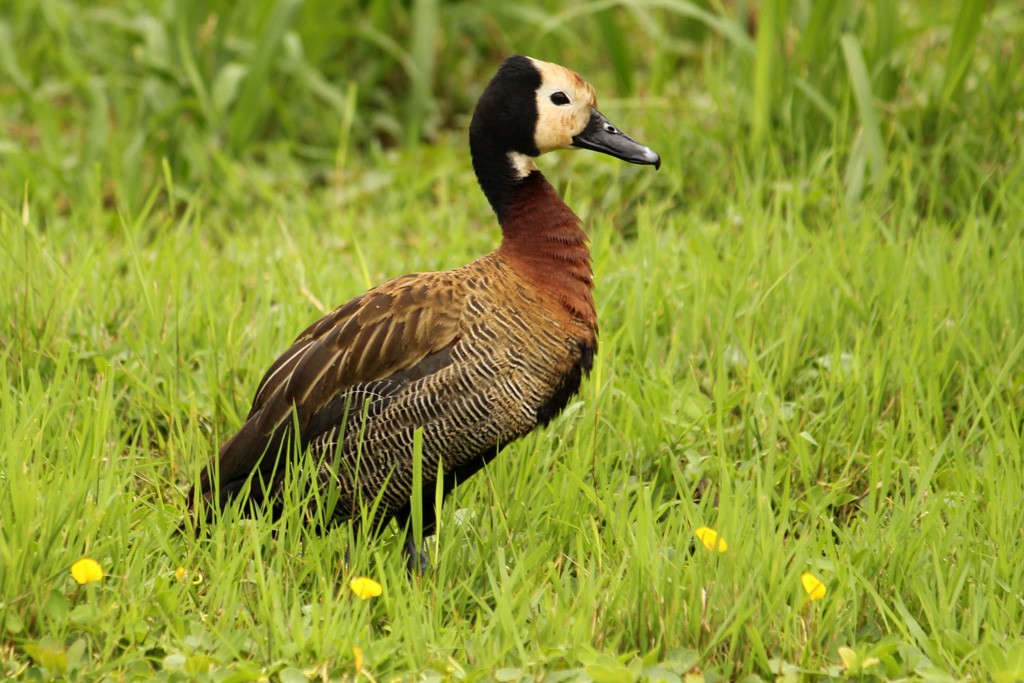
(496, 171)
(542, 239)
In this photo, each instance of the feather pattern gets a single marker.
(457, 354)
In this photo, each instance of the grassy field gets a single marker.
(812, 314)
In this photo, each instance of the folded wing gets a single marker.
(396, 333)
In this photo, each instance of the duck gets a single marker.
(472, 358)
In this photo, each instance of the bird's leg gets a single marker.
(417, 560)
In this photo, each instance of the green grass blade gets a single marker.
(255, 95)
(770, 32)
(966, 28)
(425, 25)
(870, 149)
(9, 59)
(185, 28)
(416, 497)
(616, 43)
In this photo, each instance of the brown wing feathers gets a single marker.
(398, 332)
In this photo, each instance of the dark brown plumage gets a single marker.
(476, 357)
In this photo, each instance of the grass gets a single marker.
(814, 309)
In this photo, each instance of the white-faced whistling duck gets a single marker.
(475, 357)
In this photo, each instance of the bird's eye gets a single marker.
(559, 98)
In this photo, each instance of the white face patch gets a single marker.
(557, 120)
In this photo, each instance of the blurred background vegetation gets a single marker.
(113, 98)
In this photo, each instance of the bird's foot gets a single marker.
(417, 561)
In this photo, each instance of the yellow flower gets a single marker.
(709, 537)
(357, 652)
(365, 588)
(87, 570)
(813, 586)
(181, 574)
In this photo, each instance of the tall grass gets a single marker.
(810, 339)
(203, 84)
